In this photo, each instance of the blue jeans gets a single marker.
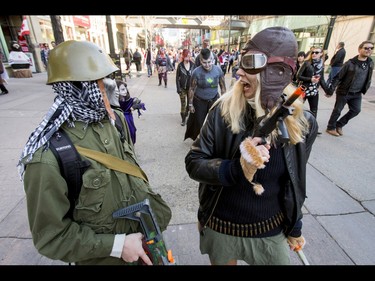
(149, 69)
(354, 102)
(333, 72)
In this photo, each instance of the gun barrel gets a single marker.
(296, 94)
(269, 123)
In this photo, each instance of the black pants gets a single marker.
(354, 101)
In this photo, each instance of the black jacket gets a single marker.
(183, 76)
(338, 58)
(216, 143)
(345, 77)
(306, 71)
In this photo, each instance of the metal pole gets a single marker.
(146, 31)
(230, 27)
(110, 35)
(329, 32)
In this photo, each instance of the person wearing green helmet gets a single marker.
(81, 109)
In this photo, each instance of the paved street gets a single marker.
(339, 222)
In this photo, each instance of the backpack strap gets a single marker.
(71, 165)
(119, 126)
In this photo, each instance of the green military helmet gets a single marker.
(78, 61)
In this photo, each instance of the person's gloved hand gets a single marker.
(133, 249)
(296, 243)
(253, 157)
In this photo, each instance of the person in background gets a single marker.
(3, 76)
(163, 64)
(352, 81)
(137, 59)
(112, 92)
(336, 61)
(311, 75)
(128, 104)
(251, 193)
(203, 92)
(128, 56)
(44, 54)
(300, 60)
(183, 75)
(89, 235)
(149, 59)
(214, 57)
(195, 54)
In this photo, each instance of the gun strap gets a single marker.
(113, 162)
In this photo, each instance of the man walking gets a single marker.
(214, 57)
(353, 80)
(337, 61)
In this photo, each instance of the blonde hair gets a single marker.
(233, 110)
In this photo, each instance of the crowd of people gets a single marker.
(251, 188)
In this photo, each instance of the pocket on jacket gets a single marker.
(93, 190)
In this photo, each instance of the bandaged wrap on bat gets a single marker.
(251, 160)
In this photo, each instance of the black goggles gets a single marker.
(255, 63)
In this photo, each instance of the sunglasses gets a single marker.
(368, 48)
(316, 52)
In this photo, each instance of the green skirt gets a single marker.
(222, 248)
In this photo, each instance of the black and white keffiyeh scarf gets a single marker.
(75, 101)
(318, 66)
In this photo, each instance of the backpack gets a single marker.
(71, 165)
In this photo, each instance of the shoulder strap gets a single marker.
(119, 126)
(113, 162)
(71, 165)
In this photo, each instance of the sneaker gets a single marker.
(339, 131)
(333, 132)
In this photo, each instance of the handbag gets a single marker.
(311, 90)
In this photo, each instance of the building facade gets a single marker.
(143, 31)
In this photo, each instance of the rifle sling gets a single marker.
(113, 162)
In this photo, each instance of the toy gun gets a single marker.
(276, 118)
(153, 242)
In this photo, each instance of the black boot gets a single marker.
(159, 82)
(3, 89)
(165, 84)
(183, 118)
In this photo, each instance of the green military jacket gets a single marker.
(89, 237)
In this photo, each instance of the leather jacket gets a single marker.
(346, 76)
(216, 143)
(306, 72)
(183, 76)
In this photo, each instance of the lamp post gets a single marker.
(115, 57)
(230, 27)
(329, 32)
